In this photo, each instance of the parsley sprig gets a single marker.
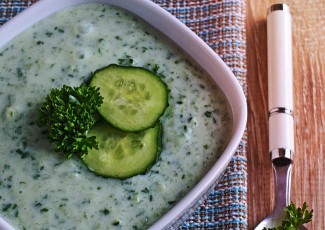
(68, 114)
(294, 217)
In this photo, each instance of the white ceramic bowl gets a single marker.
(189, 42)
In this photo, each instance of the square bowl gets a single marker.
(197, 50)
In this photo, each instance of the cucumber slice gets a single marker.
(134, 97)
(122, 154)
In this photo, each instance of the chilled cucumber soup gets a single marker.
(39, 188)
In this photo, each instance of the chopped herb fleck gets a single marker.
(20, 73)
(44, 210)
(5, 207)
(208, 113)
(126, 60)
(145, 190)
(36, 176)
(24, 154)
(155, 68)
(38, 205)
(172, 202)
(105, 211)
(6, 166)
(202, 86)
(48, 34)
(116, 223)
(118, 38)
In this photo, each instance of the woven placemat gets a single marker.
(221, 24)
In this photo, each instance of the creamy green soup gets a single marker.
(40, 189)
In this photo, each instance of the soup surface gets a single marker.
(39, 189)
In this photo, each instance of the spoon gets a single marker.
(281, 127)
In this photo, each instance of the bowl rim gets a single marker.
(193, 45)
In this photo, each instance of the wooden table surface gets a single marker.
(308, 176)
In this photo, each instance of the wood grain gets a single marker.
(308, 179)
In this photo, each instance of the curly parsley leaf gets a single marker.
(68, 114)
(294, 217)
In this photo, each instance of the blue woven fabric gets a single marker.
(221, 24)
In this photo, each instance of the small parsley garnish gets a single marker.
(294, 217)
(68, 115)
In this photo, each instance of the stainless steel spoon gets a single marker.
(281, 128)
(282, 175)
